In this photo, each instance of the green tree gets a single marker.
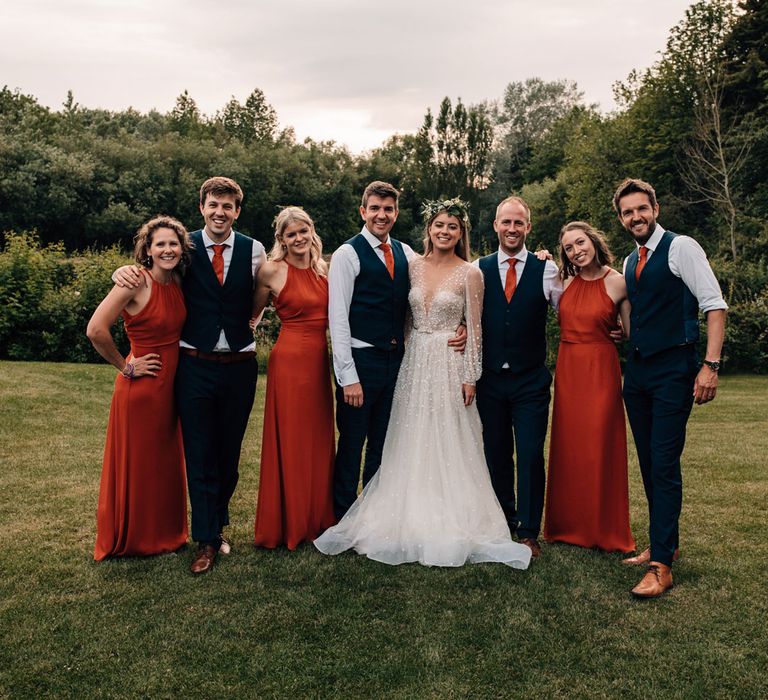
(256, 120)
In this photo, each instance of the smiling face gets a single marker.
(638, 215)
(297, 238)
(379, 214)
(445, 232)
(220, 213)
(164, 249)
(578, 248)
(512, 226)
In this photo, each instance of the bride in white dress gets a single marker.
(431, 500)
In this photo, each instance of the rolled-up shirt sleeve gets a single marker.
(553, 284)
(345, 267)
(688, 261)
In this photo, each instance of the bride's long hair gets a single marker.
(453, 207)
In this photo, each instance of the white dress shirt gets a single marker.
(345, 267)
(552, 285)
(257, 258)
(688, 261)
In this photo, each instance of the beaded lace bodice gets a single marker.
(441, 299)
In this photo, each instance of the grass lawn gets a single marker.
(280, 624)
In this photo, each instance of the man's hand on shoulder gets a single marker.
(128, 276)
(353, 395)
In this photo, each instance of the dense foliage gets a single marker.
(695, 124)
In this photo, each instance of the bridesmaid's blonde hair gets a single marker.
(291, 215)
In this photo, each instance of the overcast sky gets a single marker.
(348, 70)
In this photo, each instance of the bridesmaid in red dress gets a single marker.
(587, 500)
(295, 502)
(142, 499)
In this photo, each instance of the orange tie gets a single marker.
(218, 261)
(643, 252)
(389, 259)
(511, 281)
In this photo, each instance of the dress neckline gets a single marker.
(597, 279)
(301, 269)
(157, 281)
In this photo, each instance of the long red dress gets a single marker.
(143, 499)
(587, 494)
(297, 449)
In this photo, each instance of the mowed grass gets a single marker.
(281, 624)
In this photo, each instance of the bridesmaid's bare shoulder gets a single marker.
(615, 280)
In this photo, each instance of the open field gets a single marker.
(280, 624)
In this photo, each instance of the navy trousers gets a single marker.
(214, 402)
(658, 394)
(367, 425)
(514, 410)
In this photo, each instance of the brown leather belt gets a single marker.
(224, 358)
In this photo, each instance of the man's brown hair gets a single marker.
(221, 186)
(380, 189)
(630, 185)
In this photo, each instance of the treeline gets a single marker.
(695, 125)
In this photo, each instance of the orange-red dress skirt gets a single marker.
(587, 500)
(297, 450)
(142, 499)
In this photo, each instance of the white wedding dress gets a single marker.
(431, 500)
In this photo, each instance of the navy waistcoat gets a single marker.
(211, 306)
(664, 311)
(514, 332)
(377, 311)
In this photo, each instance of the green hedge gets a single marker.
(47, 297)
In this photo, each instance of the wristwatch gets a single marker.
(714, 365)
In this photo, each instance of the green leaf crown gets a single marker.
(453, 207)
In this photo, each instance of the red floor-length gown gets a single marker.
(297, 449)
(143, 499)
(587, 494)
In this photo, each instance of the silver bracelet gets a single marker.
(128, 370)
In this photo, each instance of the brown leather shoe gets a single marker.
(534, 545)
(204, 560)
(656, 582)
(645, 558)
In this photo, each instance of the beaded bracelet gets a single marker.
(130, 370)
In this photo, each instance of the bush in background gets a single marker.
(47, 298)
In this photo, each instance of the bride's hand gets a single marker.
(468, 392)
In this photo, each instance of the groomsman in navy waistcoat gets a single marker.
(216, 377)
(368, 297)
(668, 281)
(513, 393)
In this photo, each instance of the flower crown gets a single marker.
(453, 207)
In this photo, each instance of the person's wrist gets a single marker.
(714, 365)
(129, 370)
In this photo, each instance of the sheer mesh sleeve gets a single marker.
(473, 311)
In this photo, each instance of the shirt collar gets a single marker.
(208, 241)
(653, 242)
(521, 255)
(373, 240)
